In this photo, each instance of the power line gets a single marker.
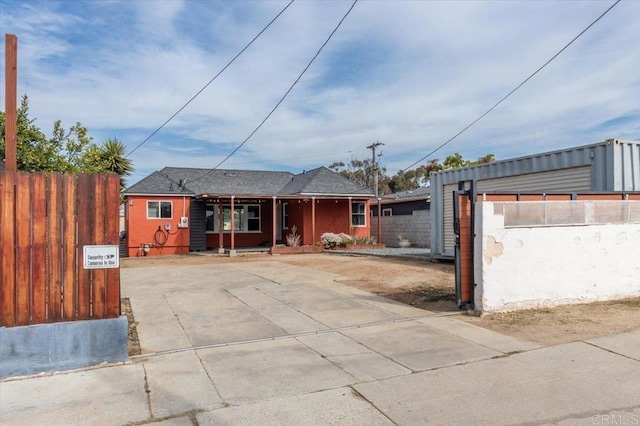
(512, 91)
(284, 96)
(305, 157)
(210, 81)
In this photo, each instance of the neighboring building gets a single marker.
(403, 203)
(177, 210)
(612, 165)
(1, 166)
(403, 213)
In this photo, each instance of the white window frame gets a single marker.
(245, 218)
(385, 211)
(355, 213)
(159, 202)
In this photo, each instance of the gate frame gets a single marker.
(464, 303)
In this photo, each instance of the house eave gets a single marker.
(317, 195)
(281, 196)
(400, 200)
(164, 194)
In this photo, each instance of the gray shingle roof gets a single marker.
(323, 181)
(423, 191)
(1, 166)
(244, 182)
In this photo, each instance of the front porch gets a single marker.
(231, 224)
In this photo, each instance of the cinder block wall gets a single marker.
(415, 226)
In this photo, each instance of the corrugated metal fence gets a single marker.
(45, 221)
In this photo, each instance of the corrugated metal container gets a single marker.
(612, 165)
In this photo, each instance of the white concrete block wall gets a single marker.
(519, 268)
(415, 226)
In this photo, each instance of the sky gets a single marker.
(409, 74)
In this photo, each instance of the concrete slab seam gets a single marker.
(65, 372)
(356, 379)
(609, 350)
(258, 276)
(292, 307)
(147, 391)
(372, 404)
(503, 355)
(254, 309)
(224, 403)
(288, 336)
(382, 355)
(367, 302)
(478, 343)
(177, 317)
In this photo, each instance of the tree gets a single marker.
(109, 158)
(67, 151)
(361, 172)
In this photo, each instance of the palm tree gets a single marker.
(113, 160)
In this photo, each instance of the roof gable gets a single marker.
(323, 181)
(157, 183)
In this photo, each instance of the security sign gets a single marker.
(101, 257)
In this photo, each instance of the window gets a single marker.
(159, 209)
(358, 217)
(246, 218)
(387, 212)
(285, 215)
(253, 218)
(238, 218)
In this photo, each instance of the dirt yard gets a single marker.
(430, 285)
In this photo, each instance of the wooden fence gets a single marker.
(45, 222)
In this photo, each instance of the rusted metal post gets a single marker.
(275, 226)
(10, 100)
(220, 227)
(379, 220)
(313, 220)
(233, 227)
(350, 217)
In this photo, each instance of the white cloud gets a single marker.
(410, 74)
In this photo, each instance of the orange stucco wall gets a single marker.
(331, 216)
(142, 230)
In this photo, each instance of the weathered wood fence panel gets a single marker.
(45, 222)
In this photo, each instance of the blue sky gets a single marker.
(410, 74)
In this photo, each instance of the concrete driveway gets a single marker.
(263, 342)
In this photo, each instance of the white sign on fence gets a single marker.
(100, 257)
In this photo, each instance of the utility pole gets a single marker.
(373, 147)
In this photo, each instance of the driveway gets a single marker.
(262, 342)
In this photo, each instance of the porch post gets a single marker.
(313, 220)
(232, 250)
(350, 216)
(379, 221)
(275, 226)
(220, 227)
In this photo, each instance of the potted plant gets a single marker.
(403, 241)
